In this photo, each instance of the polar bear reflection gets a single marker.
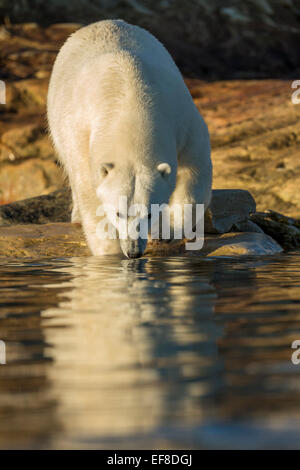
(131, 342)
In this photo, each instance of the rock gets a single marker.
(54, 207)
(233, 204)
(255, 137)
(28, 179)
(42, 241)
(4, 34)
(139, 8)
(25, 141)
(284, 230)
(28, 95)
(246, 226)
(66, 240)
(240, 244)
(228, 207)
(234, 15)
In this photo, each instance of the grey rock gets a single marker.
(227, 208)
(246, 226)
(54, 207)
(285, 230)
(240, 244)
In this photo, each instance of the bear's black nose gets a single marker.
(134, 255)
(133, 248)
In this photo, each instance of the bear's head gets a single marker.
(126, 192)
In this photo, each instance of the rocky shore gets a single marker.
(41, 227)
(255, 136)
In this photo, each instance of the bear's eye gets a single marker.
(105, 169)
(164, 169)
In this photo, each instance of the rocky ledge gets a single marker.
(40, 228)
(57, 240)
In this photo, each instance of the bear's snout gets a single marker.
(133, 248)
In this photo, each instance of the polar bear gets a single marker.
(124, 124)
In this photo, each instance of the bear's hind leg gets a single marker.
(194, 174)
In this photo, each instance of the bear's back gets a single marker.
(111, 36)
(116, 54)
(112, 75)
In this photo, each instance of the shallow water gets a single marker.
(174, 352)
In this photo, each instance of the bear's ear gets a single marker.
(105, 169)
(164, 169)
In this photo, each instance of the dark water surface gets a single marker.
(150, 353)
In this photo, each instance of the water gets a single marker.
(174, 352)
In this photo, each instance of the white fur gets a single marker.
(120, 117)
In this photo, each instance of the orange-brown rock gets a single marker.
(255, 137)
(254, 126)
